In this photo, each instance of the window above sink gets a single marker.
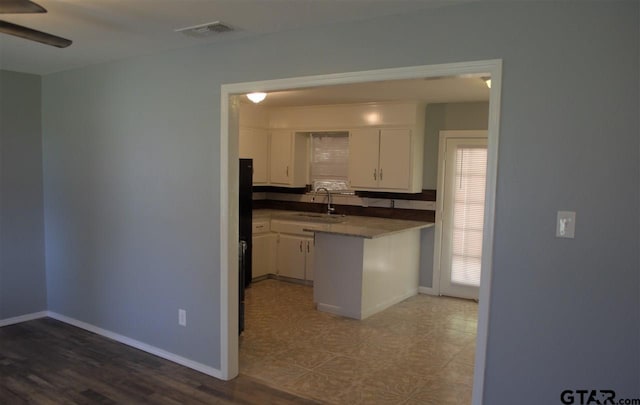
(329, 160)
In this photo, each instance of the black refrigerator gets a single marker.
(245, 206)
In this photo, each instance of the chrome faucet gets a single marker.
(330, 208)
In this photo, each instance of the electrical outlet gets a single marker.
(182, 317)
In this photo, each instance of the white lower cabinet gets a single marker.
(295, 257)
(263, 254)
(308, 268)
(294, 254)
(291, 257)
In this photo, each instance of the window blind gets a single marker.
(468, 215)
(329, 159)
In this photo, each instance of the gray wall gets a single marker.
(444, 116)
(22, 270)
(459, 116)
(132, 182)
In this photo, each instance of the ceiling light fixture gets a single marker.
(487, 81)
(256, 97)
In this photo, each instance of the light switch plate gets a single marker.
(566, 224)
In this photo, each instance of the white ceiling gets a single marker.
(104, 30)
(432, 90)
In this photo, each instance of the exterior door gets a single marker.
(462, 215)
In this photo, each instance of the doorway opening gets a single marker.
(229, 190)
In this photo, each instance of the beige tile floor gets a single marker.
(420, 351)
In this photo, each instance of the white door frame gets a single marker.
(229, 188)
(437, 244)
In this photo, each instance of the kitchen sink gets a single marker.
(325, 218)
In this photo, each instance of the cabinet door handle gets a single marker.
(287, 171)
(301, 246)
(308, 250)
(375, 177)
(380, 173)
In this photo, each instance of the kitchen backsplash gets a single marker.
(419, 207)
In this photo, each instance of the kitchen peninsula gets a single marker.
(365, 265)
(358, 265)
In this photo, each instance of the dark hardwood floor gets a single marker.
(49, 362)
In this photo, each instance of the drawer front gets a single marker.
(261, 227)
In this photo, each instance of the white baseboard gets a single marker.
(336, 310)
(427, 291)
(22, 318)
(367, 312)
(214, 372)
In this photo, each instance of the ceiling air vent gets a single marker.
(205, 30)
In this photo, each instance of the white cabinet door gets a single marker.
(281, 170)
(261, 255)
(273, 248)
(363, 157)
(254, 144)
(308, 272)
(395, 159)
(291, 256)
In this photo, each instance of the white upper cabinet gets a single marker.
(385, 160)
(254, 140)
(395, 159)
(364, 150)
(254, 144)
(289, 159)
(280, 157)
(385, 143)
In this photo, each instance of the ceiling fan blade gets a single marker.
(20, 7)
(33, 35)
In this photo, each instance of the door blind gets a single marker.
(468, 215)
